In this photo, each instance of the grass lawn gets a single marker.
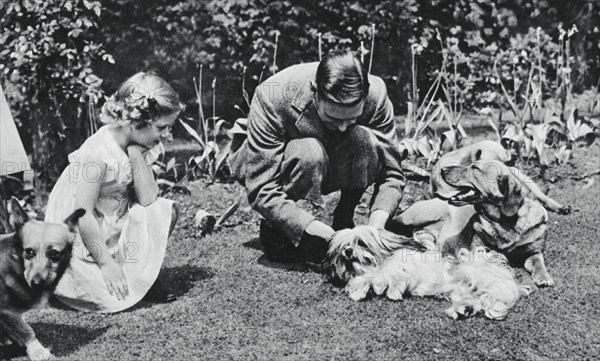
(237, 305)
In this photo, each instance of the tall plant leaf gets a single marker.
(193, 133)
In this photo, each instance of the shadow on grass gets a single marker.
(175, 280)
(61, 339)
(254, 243)
(181, 279)
(178, 281)
(292, 266)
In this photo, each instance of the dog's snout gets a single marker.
(37, 282)
(348, 252)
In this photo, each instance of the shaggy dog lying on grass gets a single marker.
(477, 281)
(482, 204)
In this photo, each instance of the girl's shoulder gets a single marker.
(101, 146)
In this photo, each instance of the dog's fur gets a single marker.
(33, 259)
(445, 226)
(488, 150)
(354, 251)
(450, 222)
(477, 281)
(509, 218)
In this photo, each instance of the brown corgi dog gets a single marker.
(32, 261)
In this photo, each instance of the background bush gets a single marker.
(47, 49)
(174, 37)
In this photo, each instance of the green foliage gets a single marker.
(226, 36)
(47, 52)
(53, 54)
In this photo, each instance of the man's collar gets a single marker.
(303, 99)
(308, 121)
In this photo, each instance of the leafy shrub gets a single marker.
(47, 50)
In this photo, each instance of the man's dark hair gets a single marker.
(342, 78)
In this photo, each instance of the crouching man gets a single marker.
(313, 129)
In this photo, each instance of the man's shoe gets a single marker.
(312, 251)
(277, 246)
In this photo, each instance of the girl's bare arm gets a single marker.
(144, 184)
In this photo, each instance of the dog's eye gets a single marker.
(361, 243)
(53, 255)
(29, 253)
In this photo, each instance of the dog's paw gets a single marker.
(463, 310)
(543, 279)
(536, 267)
(358, 288)
(526, 290)
(458, 313)
(380, 284)
(451, 312)
(36, 351)
(395, 293)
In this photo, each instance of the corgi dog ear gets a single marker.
(18, 216)
(73, 220)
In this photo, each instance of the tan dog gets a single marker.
(33, 259)
(509, 218)
(449, 223)
(484, 151)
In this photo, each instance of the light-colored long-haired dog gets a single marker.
(477, 281)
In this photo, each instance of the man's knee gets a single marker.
(304, 165)
(307, 153)
(361, 136)
(356, 162)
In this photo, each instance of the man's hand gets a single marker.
(319, 229)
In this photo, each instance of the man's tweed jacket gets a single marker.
(282, 109)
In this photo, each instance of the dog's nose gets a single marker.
(348, 252)
(37, 282)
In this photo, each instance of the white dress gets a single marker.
(136, 235)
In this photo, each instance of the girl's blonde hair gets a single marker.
(139, 100)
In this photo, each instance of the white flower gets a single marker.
(572, 31)
(416, 48)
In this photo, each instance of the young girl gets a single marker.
(123, 235)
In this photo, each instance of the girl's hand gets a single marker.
(115, 279)
(135, 149)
